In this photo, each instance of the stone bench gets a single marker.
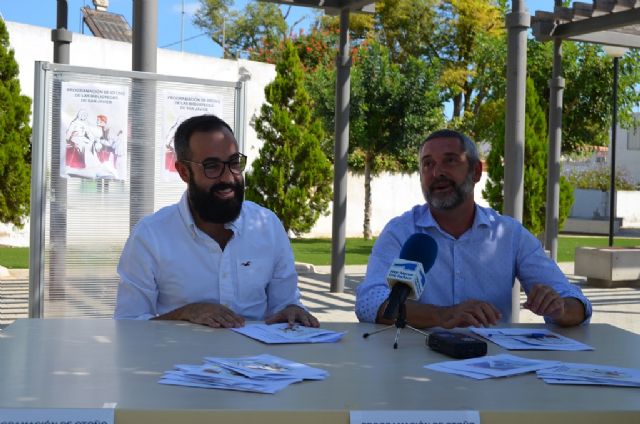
(606, 266)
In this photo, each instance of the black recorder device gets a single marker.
(456, 345)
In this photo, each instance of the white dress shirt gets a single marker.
(168, 262)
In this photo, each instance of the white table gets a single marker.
(85, 363)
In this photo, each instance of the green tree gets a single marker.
(291, 176)
(15, 133)
(586, 115)
(243, 32)
(465, 27)
(535, 169)
(407, 28)
(393, 106)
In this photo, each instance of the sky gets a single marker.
(170, 19)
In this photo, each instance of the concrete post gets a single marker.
(144, 58)
(341, 150)
(517, 22)
(556, 86)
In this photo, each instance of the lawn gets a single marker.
(318, 251)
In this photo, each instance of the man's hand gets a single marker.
(545, 301)
(293, 314)
(470, 313)
(210, 314)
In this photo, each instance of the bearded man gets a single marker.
(480, 252)
(212, 258)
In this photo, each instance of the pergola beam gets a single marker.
(597, 24)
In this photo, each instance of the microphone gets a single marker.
(406, 276)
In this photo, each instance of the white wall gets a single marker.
(628, 159)
(392, 194)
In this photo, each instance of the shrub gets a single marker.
(600, 179)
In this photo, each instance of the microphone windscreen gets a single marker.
(421, 248)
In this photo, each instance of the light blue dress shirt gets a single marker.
(169, 262)
(482, 264)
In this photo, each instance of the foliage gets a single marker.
(291, 176)
(316, 49)
(599, 178)
(465, 27)
(535, 169)
(392, 107)
(15, 133)
(586, 111)
(407, 28)
(241, 33)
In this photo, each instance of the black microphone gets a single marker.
(406, 276)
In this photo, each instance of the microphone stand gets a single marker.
(399, 324)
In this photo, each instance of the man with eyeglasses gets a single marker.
(213, 258)
(480, 252)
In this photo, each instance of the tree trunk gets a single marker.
(457, 100)
(366, 227)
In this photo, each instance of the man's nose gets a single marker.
(436, 170)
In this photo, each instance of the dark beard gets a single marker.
(212, 209)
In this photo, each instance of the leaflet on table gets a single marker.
(284, 333)
(528, 339)
(574, 373)
(262, 374)
(502, 365)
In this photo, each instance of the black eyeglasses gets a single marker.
(214, 168)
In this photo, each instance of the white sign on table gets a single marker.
(414, 417)
(59, 416)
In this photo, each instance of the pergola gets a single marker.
(605, 22)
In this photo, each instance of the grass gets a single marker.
(14, 257)
(318, 251)
(567, 244)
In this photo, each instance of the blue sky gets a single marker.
(43, 13)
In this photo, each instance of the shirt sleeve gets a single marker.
(137, 290)
(373, 290)
(282, 290)
(535, 267)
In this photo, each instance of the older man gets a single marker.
(480, 252)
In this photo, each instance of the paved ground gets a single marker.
(619, 306)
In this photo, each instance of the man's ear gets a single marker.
(183, 170)
(477, 172)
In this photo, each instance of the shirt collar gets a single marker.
(426, 219)
(187, 217)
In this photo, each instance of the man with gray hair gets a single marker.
(480, 252)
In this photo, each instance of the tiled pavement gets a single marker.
(619, 306)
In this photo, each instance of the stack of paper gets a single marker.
(262, 374)
(572, 373)
(492, 366)
(284, 333)
(524, 339)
